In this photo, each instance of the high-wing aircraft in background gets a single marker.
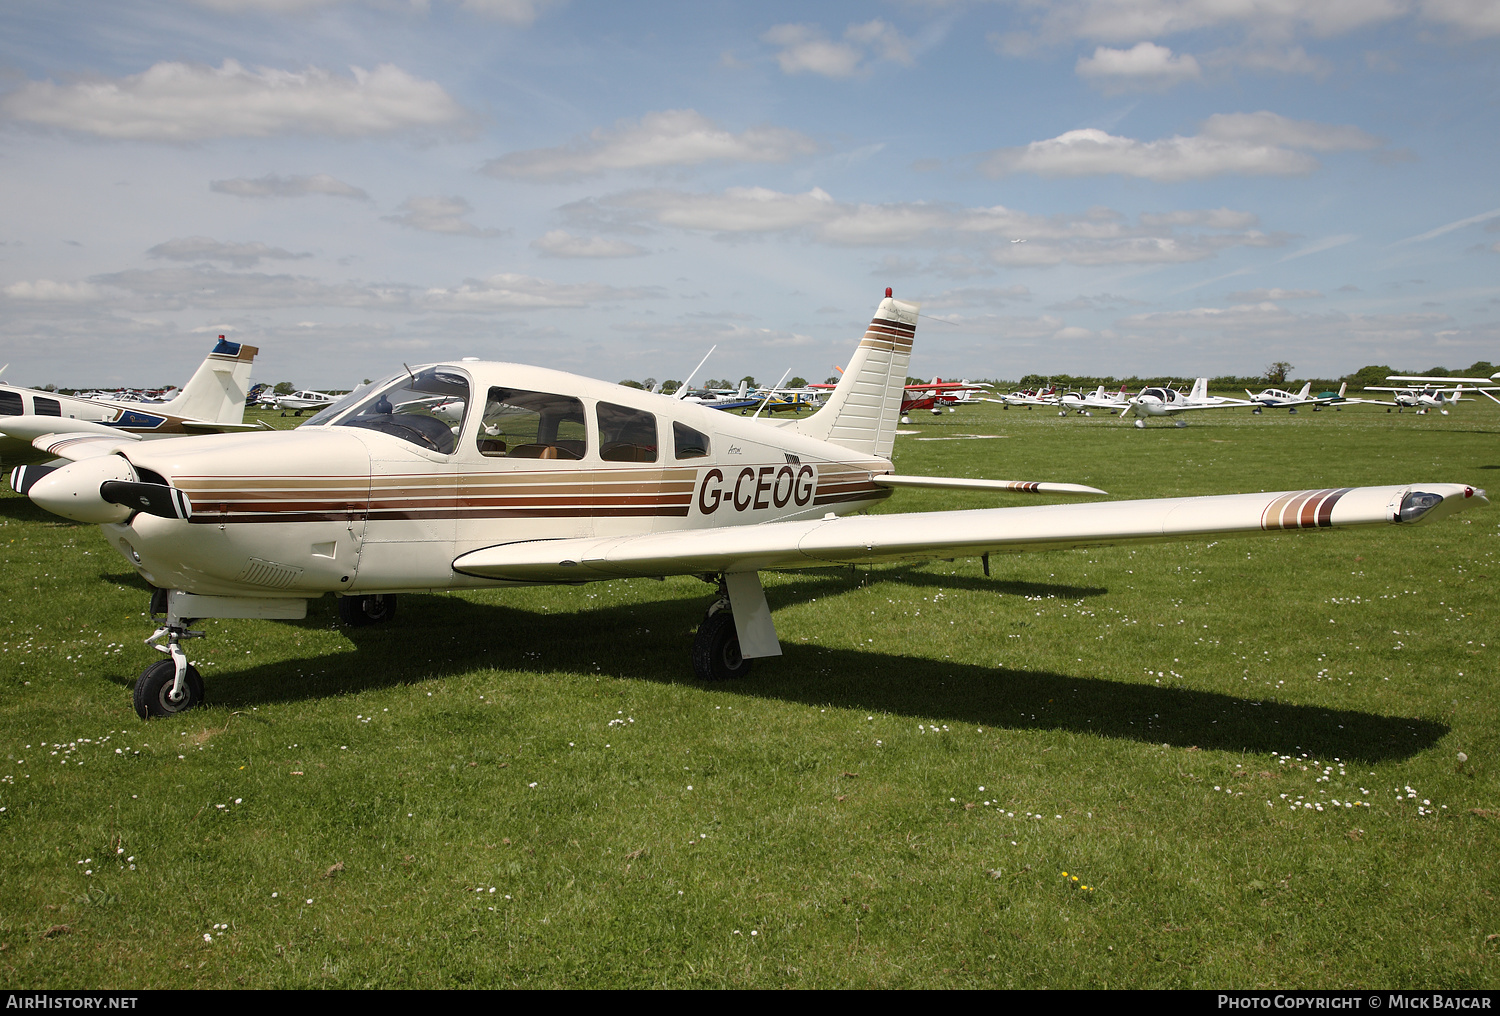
(1420, 399)
(555, 478)
(1158, 401)
(212, 402)
(1486, 386)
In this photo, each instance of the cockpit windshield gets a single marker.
(425, 408)
(328, 412)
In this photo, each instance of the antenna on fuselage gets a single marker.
(771, 393)
(683, 390)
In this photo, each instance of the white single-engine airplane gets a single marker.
(555, 478)
(1157, 401)
(299, 401)
(1275, 398)
(212, 402)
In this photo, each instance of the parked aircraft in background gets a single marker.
(556, 478)
(1275, 398)
(300, 401)
(1420, 399)
(1159, 401)
(212, 402)
(1084, 405)
(1486, 386)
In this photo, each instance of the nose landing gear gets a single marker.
(168, 686)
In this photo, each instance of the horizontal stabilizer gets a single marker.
(921, 536)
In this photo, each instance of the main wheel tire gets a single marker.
(152, 690)
(360, 611)
(716, 649)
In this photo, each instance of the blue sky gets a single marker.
(1087, 186)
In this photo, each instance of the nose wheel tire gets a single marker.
(153, 690)
(360, 611)
(716, 649)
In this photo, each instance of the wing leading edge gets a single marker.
(877, 538)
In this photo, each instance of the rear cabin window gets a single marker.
(520, 424)
(625, 434)
(45, 407)
(688, 443)
(10, 404)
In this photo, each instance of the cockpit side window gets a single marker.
(426, 409)
(10, 404)
(520, 424)
(688, 443)
(625, 434)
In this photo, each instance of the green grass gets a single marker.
(1146, 703)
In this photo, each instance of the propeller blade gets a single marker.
(151, 498)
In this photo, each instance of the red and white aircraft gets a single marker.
(555, 478)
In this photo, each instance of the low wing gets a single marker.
(871, 538)
(965, 483)
(210, 427)
(30, 428)
(83, 445)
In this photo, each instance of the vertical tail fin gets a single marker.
(216, 391)
(1200, 390)
(1305, 390)
(863, 409)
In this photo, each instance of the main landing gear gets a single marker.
(736, 629)
(716, 647)
(361, 611)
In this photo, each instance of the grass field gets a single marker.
(1222, 764)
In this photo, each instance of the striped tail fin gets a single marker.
(216, 391)
(863, 410)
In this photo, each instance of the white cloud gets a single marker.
(273, 186)
(1092, 152)
(1271, 129)
(1097, 236)
(515, 12)
(440, 215)
(1213, 218)
(736, 210)
(805, 48)
(559, 243)
(1255, 144)
(1144, 66)
(192, 102)
(203, 248)
(507, 292)
(47, 291)
(674, 137)
(1263, 295)
(1473, 17)
(1131, 20)
(205, 287)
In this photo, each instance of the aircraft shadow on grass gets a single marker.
(433, 637)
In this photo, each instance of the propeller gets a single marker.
(151, 498)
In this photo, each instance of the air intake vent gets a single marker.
(269, 573)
